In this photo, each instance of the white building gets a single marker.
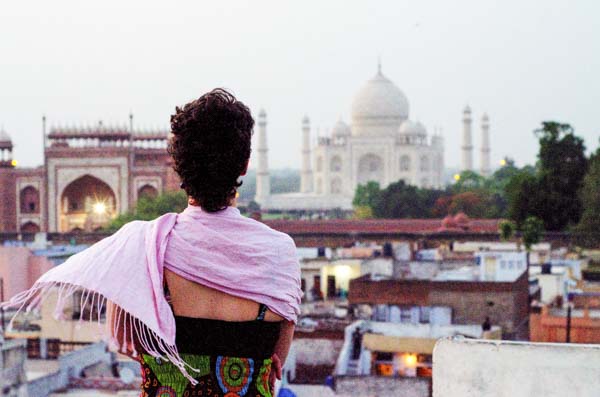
(381, 144)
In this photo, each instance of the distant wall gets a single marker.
(317, 351)
(547, 328)
(475, 368)
(382, 386)
(70, 365)
(20, 269)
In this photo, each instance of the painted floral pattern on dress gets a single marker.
(234, 375)
(219, 376)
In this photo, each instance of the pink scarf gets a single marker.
(224, 250)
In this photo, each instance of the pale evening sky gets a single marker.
(520, 61)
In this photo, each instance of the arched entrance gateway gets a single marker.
(30, 227)
(86, 204)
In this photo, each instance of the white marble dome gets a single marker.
(340, 129)
(379, 100)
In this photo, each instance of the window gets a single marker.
(405, 163)
(424, 163)
(336, 164)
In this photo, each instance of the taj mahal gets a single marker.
(381, 144)
(92, 173)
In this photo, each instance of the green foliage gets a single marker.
(400, 200)
(367, 195)
(551, 192)
(253, 206)
(148, 208)
(522, 195)
(532, 231)
(363, 212)
(562, 166)
(468, 181)
(506, 230)
(589, 225)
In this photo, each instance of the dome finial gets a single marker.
(379, 65)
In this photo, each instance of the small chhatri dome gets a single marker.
(421, 130)
(4, 137)
(305, 120)
(411, 128)
(379, 100)
(340, 129)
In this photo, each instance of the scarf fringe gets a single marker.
(133, 330)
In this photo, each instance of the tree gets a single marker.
(400, 200)
(522, 193)
(469, 180)
(531, 233)
(367, 195)
(363, 212)
(501, 177)
(148, 208)
(562, 167)
(506, 230)
(253, 206)
(588, 227)
(468, 202)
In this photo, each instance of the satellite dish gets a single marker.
(126, 375)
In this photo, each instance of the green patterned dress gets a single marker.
(232, 358)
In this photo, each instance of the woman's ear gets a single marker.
(245, 171)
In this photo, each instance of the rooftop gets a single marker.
(376, 226)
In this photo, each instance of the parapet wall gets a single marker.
(476, 368)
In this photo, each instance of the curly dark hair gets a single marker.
(211, 147)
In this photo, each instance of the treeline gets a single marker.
(562, 190)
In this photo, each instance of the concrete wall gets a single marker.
(70, 365)
(317, 351)
(67, 330)
(13, 354)
(381, 386)
(474, 368)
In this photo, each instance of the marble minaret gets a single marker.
(306, 176)
(467, 143)
(263, 182)
(485, 146)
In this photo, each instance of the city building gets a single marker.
(383, 358)
(445, 294)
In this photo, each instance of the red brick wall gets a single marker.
(8, 201)
(547, 328)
